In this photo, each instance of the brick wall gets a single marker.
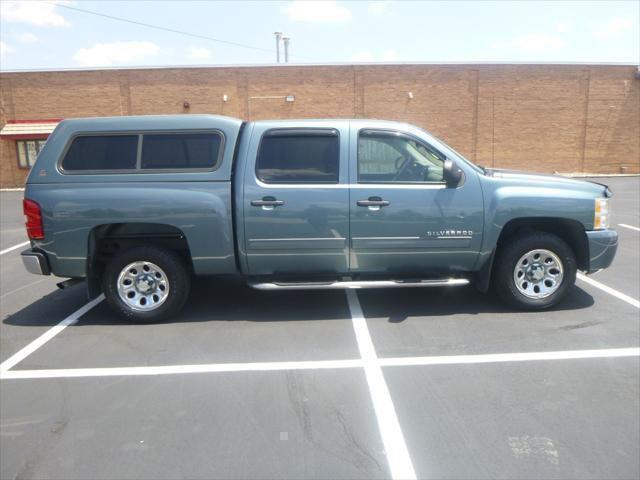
(567, 118)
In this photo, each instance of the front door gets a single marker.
(296, 210)
(404, 219)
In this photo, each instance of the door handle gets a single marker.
(373, 202)
(267, 203)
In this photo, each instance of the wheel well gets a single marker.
(108, 239)
(571, 231)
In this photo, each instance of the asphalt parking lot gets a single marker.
(424, 383)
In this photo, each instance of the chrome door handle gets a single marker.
(373, 202)
(267, 203)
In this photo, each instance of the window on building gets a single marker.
(28, 151)
(102, 152)
(386, 157)
(299, 156)
(180, 150)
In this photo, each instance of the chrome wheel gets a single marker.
(143, 286)
(538, 273)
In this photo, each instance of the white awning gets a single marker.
(24, 128)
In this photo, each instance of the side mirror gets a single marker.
(451, 172)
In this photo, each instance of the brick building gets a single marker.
(566, 118)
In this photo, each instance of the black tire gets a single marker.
(178, 277)
(511, 252)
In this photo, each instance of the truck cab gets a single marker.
(138, 205)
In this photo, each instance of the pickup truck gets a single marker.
(138, 206)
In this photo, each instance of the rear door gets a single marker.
(295, 201)
(405, 220)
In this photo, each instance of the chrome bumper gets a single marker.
(35, 262)
(603, 245)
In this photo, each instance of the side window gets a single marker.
(180, 150)
(299, 157)
(386, 157)
(102, 152)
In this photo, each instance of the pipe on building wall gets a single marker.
(278, 37)
(286, 48)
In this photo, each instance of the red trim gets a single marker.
(25, 136)
(46, 120)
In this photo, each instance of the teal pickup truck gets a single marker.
(138, 206)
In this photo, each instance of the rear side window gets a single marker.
(102, 152)
(180, 151)
(299, 156)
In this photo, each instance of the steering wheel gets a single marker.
(401, 165)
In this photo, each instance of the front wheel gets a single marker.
(534, 271)
(146, 283)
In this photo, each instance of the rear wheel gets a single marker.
(534, 271)
(146, 283)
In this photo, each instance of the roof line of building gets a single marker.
(342, 64)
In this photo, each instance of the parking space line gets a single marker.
(629, 226)
(181, 369)
(509, 357)
(15, 247)
(609, 290)
(48, 335)
(400, 463)
(317, 364)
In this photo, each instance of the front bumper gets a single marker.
(35, 262)
(603, 245)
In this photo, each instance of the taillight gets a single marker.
(33, 216)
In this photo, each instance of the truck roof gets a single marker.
(190, 121)
(150, 122)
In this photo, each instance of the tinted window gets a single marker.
(384, 158)
(104, 152)
(299, 158)
(180, 150)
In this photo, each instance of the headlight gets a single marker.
(601, 215)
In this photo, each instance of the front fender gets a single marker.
(507, 203)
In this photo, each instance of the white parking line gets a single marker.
(48, 335)
(15, 247)
(177, 369)
(629, 226)
(510, 357)
(395, 447)
(318, 364)
(609, 290)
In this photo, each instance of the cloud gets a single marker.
(317, 11)
(537, 42)
(5, 49)
(40, 13)
(106, 54)
(377, 8)
(27, 38)
(389, 56)
(562, 27)
(613, 27)
(199, 53)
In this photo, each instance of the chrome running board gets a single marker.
(338, 285)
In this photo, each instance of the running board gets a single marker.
(445, 282)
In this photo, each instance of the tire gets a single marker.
(146, 284)
(525, 258)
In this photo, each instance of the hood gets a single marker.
(548, 180)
